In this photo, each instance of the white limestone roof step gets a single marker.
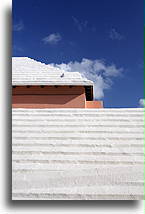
(26, 71)
(77, 154)
(74, 150)
(80, 110)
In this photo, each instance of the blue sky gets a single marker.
(103, 37)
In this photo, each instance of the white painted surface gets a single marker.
(27, 71)
(77, 154)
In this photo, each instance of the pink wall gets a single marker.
(52, 97)
(94, 104)
(48, 97)
(48, 101)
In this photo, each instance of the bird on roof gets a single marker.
(62, 75)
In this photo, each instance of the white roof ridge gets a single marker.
(21, 66)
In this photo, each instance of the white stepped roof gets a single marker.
(62, 154)
(26, 71)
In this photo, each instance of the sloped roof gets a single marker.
(26, 71)
(77, 154)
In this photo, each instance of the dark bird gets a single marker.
(62, 75)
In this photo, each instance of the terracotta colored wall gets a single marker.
(52, 97)
(48, 97)
(48, 90)
(94, 104)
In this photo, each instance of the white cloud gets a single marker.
(115, 35)
(18, 27)
(96, 70)
(53, 38)
(83, 25)
(142, 103)
(80, 24)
